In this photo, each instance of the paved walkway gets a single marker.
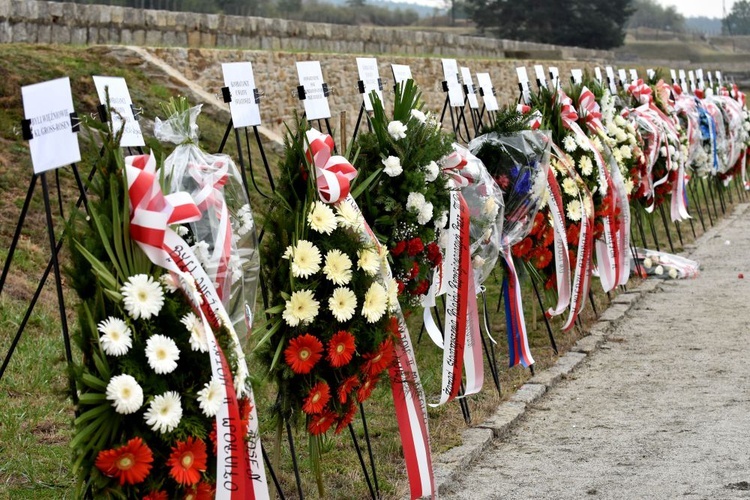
(661, 411)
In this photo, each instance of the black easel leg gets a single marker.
(593, 303)
(330, 132)
(272, 473)
(290, 438)
(679, 232)
(59, 193)
(81, 189)
(639, 223)
(241, 161)
(713, 200)
(464, 404)
(698, 207)
(653, 231)
(58, 284)
(666, 226)
(226, 136)
(546, 319)
(250, 167)
(493, 367)
(17, 233)
(359, 121)
(720, 195)
(369, 450)
(361, 461)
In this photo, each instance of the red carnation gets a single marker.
(302, 353)
(341, 349)
(188, 461)
(319, 424)
(573, 231)
(414, 246)
(421, 288)
(317, 399)
(401, 287)
(129, 463)
(399, 248)
(433, 254)
(414, 272)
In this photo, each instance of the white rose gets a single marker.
(397, 130)
(659, 270)
(673, 273)
(392, 166)
(418, 115)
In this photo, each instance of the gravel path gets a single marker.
(662, 411)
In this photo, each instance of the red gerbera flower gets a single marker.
(393, 325)
(347, 418)
(414, 246)
(538, 225)
(376, 362)
(302, 353)
(541, 257)
(130, 463)
(317, 399)
(188, 460)
(346, 387)
(521, 248)
(157, 495)
(201, 491)
(320, 423)
(365, 390)
(341, 348)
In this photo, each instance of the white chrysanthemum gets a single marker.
(169, 282)
(181, 230)
(375, 304)
(392, 166)
(659, 270)
(620, 121)
(338, 267)
(569, 144)
(164, 413)
(235, 266)
(300, 308)
(397, 129)
(617, 156)
(663, 151)
(415, 201)
(194, 325)
(162, 354)
(211, 397)
(425, 213)
(245, 222)
(626, 152)
(570, 187)
(418, 115)
(116, 338)
(597, 143)
(441, 221)
(125, 394)
(142, 296)
(305, 258)
(321, 218)
(368, 261)
(586, 165)
(392, 295)
(348, 217)
(544, 200)
(574, 210)
(343, 304)
(583, 142)
(200, 250)
(629, 186)
(491, 207)
(431, 171)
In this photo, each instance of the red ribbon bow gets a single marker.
(590, 111)
(333, 174)
(568, 112)
(641, 92)
(453, 165)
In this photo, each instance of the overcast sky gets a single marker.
(696, 8)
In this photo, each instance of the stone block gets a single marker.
(564, 366)
(60, 34)
(529, 393)
(153, 38)
(135, 18)
(101, 14)
(126, 36)
(79, 36)
(21, 33)
(194, 39)
(54, 9)
(503, 418)
(44, 34)
(117, 15)
(139, 37)
(614, 313)
(453, 462)
(208, 40)
(169, 39)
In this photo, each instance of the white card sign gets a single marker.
(699, 77)
(401, 73)
(710, 79)
(651, 73)
(683, 80)
(239, 78)
(673, 73)
(48, 106)
(367, 67)
(316, 100)
(488, 92)
(718, 79)
(633, 76)
(554, 77)
(450, 73)
(469, 88)
(541, 79)
(598, 74)
(577, 75)
(623, 76)
(523, 81)
(611, 80)
(122, 111)
(691, 77)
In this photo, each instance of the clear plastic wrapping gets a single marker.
(663, 265)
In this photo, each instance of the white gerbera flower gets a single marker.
(397, 130)
(425, 214)
(348, 217)
(305, 258)
(343, 304)
(142, 296)
(392, 295)
(211, 397)
(115, 339)
(162, 354)
(368, 261)
(125, 394)
(586, 165)
(574, 210)
(194, 325)
(626, 152)
(629, 186)
(418, 115)
(392, 166)
(375, 304)
(583, 142)
(300, 308)
(431, 171)
(415, 201)
(321, 218)
(165, 412)
(569, 144)
(570, 187)
(338, 267)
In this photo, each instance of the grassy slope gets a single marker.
(34, 413)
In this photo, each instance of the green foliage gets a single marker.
(737, 21)
(650, 14)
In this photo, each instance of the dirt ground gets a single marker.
(661, 411)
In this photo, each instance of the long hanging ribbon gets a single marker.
(562, 260)
(406, 386)
(518, 340)
(151, 214)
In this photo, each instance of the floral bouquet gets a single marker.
(406, 198)
(664, 265)
(736, 135)
(165, 406)
(224, 238)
